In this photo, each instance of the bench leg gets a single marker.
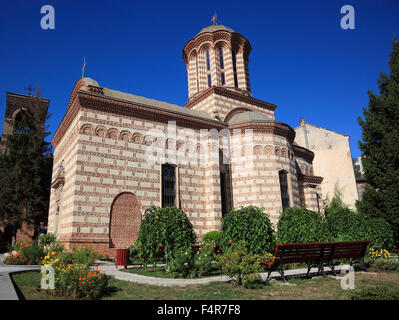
(268, 274)
(307, 273)
(321, 269)
(333, 269)
(281, 271)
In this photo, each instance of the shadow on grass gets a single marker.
(110, 291)
(17, 290)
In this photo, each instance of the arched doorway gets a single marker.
(125, 220)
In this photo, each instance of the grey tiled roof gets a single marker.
(149, 102)
(250, 116)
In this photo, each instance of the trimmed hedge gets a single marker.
(298, 225)
(212, 237)
(347, 225)
(251, 225)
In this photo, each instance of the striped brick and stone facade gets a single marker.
(225, 146)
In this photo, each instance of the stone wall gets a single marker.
(332, 160)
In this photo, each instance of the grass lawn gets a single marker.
(302, 289)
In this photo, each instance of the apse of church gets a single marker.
(227, 150)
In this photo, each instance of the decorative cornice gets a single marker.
(103, 103)
(232, 95)
(95, 89)
(272, 127)
(303, 153)
(311, 179)
(66, 121)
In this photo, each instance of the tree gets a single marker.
(25, 171)
(380, 147)
(356, 169)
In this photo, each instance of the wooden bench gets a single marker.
(316, 253)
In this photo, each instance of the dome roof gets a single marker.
(215, 27)
(249, 116)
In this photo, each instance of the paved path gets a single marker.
(112, 271)
(7, 290)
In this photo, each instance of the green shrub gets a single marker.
(251, 225)
(203, 262)
(240, 265)
(212, 237)
(298, 225)
(47, 239)
(347, 225)
(375, 293)
(182, 262)
(84, 256)
(92, 284)
(78, 281)
(133, 254)
(166, 226)
(380, 232)
(381, 265)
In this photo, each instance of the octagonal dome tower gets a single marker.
(217, 57)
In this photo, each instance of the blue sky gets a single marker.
(301, 59)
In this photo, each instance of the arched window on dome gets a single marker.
(196, 71)
(221, 58)
(208, 61)
(208, 68)
(221, 63)
(233, 54)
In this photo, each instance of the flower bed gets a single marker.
(25, 252)
(72, 274)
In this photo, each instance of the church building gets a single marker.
(116, 154)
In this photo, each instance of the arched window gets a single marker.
(168, 186)
(221, 63)
(208, 68)
(196, 70)
(221, 58)
(285, 198)
(233, 54)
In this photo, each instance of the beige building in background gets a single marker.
(332, 160)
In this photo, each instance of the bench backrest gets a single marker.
(317, 251)
(349, 249)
